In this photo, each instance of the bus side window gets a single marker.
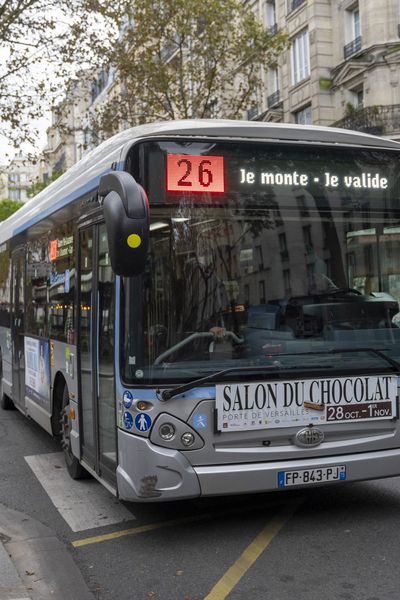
(5, 288)
(61, 285)
(37, 267)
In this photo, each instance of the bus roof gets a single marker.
(84, 176)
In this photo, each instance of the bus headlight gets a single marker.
(166, 431)
(173, 433)
(187, 438)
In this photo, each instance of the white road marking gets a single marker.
(83, 504)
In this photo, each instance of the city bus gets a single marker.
(211, 307)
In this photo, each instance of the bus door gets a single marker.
(98, 431)
(17, 327)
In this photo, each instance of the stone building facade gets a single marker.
(342, 66)
(66, 141)
(20, 174)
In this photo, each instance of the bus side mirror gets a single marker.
(126, 212)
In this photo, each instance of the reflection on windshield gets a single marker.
(228, 287)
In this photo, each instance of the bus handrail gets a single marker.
(194, 336)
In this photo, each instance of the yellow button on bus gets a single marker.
(134, 240)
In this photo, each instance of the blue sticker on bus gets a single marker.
(128, 420)
(142, 422)
(200, 421)
(127, 399)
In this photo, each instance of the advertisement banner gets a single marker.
(37, 371)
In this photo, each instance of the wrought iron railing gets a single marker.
(377, 120)
(273, 99)
(252, 112)
(353, 47)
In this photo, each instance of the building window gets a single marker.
(270, 17)
(302, 204)
(252, 113)
(286, 280)
(14, 194)
(213, 109)
(293, 4)
(253, 109)
(261, 287)
(99, 84)
(273, 87)
(13, 178)
(259, 258)
(303, 116)
(352, 31)
(300, 57)
(356, 25)
(357, 98)
(278, 218)
(307, 237)
(283, 246)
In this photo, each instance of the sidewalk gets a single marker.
(11, 586)
(34, 564)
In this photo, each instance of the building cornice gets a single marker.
(365, 60)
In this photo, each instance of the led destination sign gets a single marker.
(199, 174)
(266, 405)
(245, 172)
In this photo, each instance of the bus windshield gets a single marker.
(294, 252)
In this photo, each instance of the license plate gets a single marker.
(311, 476)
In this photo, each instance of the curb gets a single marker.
(43, 564)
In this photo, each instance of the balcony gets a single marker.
(293, 4)
(352, 47)
(252, 113)
(376, 120)
(273, 99)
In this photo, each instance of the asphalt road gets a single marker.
(334, 542)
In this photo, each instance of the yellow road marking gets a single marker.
(234, 574)
(162, 524)
(135, 530)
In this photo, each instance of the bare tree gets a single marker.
(43, 43)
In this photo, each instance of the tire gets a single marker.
(74, 467)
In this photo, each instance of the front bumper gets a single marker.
(263, 477)
(149, 473)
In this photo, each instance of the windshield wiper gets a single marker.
(168, 394)
(180, 389)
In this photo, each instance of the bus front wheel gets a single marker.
(74, 468)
